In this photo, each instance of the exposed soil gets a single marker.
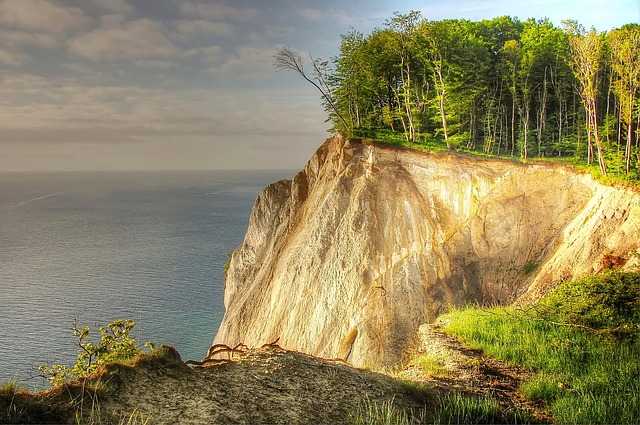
(261, 386)
(268, 385)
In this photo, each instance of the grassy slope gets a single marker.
(583, 341)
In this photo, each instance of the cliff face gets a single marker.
(367, 243)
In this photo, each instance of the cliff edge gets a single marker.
(367, 243)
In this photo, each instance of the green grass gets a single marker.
(587, 371)
(465, 409)
(372, 413)
(431, 365)
(452, 408)
(424, 143)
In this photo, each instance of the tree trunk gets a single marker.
(596, 136)
(443, 116)
(513, 125)
(627, 153)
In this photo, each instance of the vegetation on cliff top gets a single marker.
(496, 87)
(583, 342)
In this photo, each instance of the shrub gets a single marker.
(116, 345)
(608, 303)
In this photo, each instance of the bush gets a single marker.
(607, 303)
(116, 345)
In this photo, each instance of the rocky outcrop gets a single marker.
(367, 243)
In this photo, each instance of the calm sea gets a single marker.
(150, 246)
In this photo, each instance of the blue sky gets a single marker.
(189, 84)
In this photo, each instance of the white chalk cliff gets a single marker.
(367, 243)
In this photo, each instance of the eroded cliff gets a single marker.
(367, 243)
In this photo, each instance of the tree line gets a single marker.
(500, 86)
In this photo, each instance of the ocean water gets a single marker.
(150, 246)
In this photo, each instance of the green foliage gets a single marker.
(530, 267)
(608, 302)
(116, 345)
(228, 263)
(583, 376)
(499, 86)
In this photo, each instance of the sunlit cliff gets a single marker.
(367, 243)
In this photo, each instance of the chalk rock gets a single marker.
(367, 243)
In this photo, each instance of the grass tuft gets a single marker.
(431, 365)
(372, 413)
(459, 408)
(11, 387)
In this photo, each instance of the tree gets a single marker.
(441, 52)
(586, 63)
(286, 58)
(511, 53)
(624, 49)
(351, 84)
(404, 27)
(496, 33)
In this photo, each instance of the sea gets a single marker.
(99, 246)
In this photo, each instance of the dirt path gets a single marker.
(469, 370)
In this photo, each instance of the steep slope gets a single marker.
(367, 243)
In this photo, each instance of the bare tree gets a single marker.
(288, 59)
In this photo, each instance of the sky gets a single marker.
(189, 84)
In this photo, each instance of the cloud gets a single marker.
(278, 32)
(14, 38)
(116, 6)
(200, 28)
(112, 20)
(10, 58)
(206, 54)
(41, 16)
(139, 39)
(154, 64)
(322, 15)
(249, 62)
(217, 11)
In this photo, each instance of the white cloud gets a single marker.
(115, 6)
(41, 16)
(139, 39)
(217, 11)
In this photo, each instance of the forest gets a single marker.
(496, 87)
